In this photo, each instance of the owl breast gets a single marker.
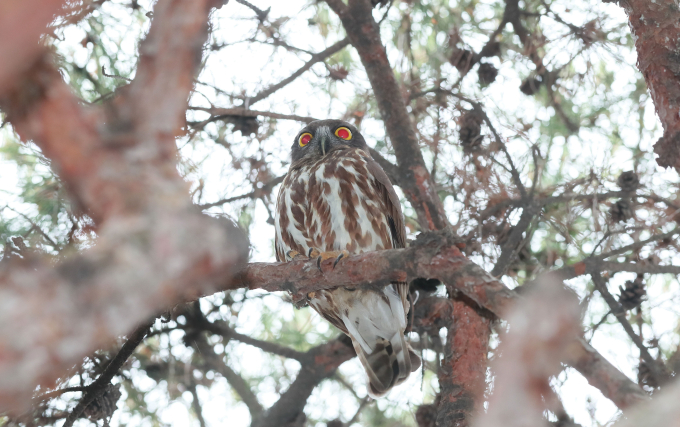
(332, 204)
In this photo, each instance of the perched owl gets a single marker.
(335, 201)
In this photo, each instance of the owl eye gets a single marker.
(304, 139)
(343, 133)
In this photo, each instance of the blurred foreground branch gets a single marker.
(119, 164)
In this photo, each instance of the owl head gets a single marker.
(321, 137)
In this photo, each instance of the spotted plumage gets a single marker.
(334, 198)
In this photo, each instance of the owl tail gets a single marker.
(375, 321)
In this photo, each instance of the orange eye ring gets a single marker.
(304, 139)
(343, 133)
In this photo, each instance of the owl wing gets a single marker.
(391, 203)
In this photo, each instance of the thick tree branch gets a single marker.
(432, 256)
(95, 389)
(462, 375)
(319, 363)
(655, 31)
(120, 168)
(22, 22)
(543, 329)
(416, 182)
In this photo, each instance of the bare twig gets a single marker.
(95, 389)
(315, 59)
(657, 369)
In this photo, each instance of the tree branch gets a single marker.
(21, 24)
(655, 30)
(216, 362)
(319, 363)
(416, 182)
(259, 192)
(95, 389)
(119, 164)
(433, 255)
(269, 347)
(316, 58)
(220, 113)
(657, 369)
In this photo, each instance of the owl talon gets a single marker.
(342, 255)
(313, 253)
(323, 256)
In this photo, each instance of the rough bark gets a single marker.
(462, 375)
(656, 30)
(364, 34)
(22, 22)
(434, 255)
(414, 178)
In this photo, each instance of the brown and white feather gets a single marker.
(345, 201)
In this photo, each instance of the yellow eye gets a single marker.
(343, 133)
(304, 139)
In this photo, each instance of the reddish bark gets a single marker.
(22, 22)
(462, 376)
(414, 178)
(433, 256)
(416, 182)
(656, 31)
(154, 249)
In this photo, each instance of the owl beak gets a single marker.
(322, 145)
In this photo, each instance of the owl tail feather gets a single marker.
(389, 364)
(376, 325)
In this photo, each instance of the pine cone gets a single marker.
(531, 85)
(621, 211)
(335, 423)
(461, 59)
(470, 130)
(632, 295)
(338, 73)
(628, 181)
(645, 376)
(104, 406)
(245, 125)
(487, 74)
(426, 415)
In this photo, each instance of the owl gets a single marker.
(336, 201)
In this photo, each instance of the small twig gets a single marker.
(656, 367)
(114, 76)
(95, 389)
(266, 188)
(316, 58)
(196, 404)
(365, 401)
(59, 392)
(261, 14)
(36, 227)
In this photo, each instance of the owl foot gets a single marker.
(295, 255)
(323, 256)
